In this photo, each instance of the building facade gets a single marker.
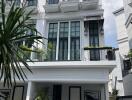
(123, 44)
(77, 63)
(128, 18)
(124, 40)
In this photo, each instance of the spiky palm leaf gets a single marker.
(12, 32)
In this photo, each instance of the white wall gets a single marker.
(65, 89)
(128, 84)
(69, 75)
(128, 10)
(117, 72)
(129, 30)
(122, 36)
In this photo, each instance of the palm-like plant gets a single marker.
(13, 30)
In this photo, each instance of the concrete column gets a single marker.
(29, 90)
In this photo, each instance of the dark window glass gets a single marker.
(53, 1)
(127, 64)
(75, 41)
(52, 39)
(94, 40)
(63, 41)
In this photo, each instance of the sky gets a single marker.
(109, 24)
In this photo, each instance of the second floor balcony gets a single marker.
(99, 53)
(70, 5)
(90, 54)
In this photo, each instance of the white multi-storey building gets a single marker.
(124, 27)
(78, 64)
(128, 19)
(123, 44)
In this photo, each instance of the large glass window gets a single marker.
(94, 40)
(67, 42)
(75, 41)
(53, 1)
(52, 39)
(63, 41)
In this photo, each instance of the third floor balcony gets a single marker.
(70, 5)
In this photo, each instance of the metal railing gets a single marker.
(97, 54)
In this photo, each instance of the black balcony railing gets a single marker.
(99, 53)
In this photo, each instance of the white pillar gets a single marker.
(106, 91)
(29, 90)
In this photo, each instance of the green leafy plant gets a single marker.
(13, 31)
(42, 94)
(130, 54)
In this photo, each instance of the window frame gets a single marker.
(69, 41)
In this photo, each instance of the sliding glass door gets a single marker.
(94, 40)
(63, 41)
(52, 39)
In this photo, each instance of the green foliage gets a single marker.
(13, 31)
(130, 54)
(114, 92)
(42, 94)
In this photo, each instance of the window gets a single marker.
(127, 64)
(75, 40)
(63, 41)
(52, 39)
(67, 42)
(53, 1)
(94, 40)
(32, 2)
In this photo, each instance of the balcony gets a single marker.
(50, 8)
(89, 4)
(69, 6)
(99, 53)
(53, 6)
(90, 54)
